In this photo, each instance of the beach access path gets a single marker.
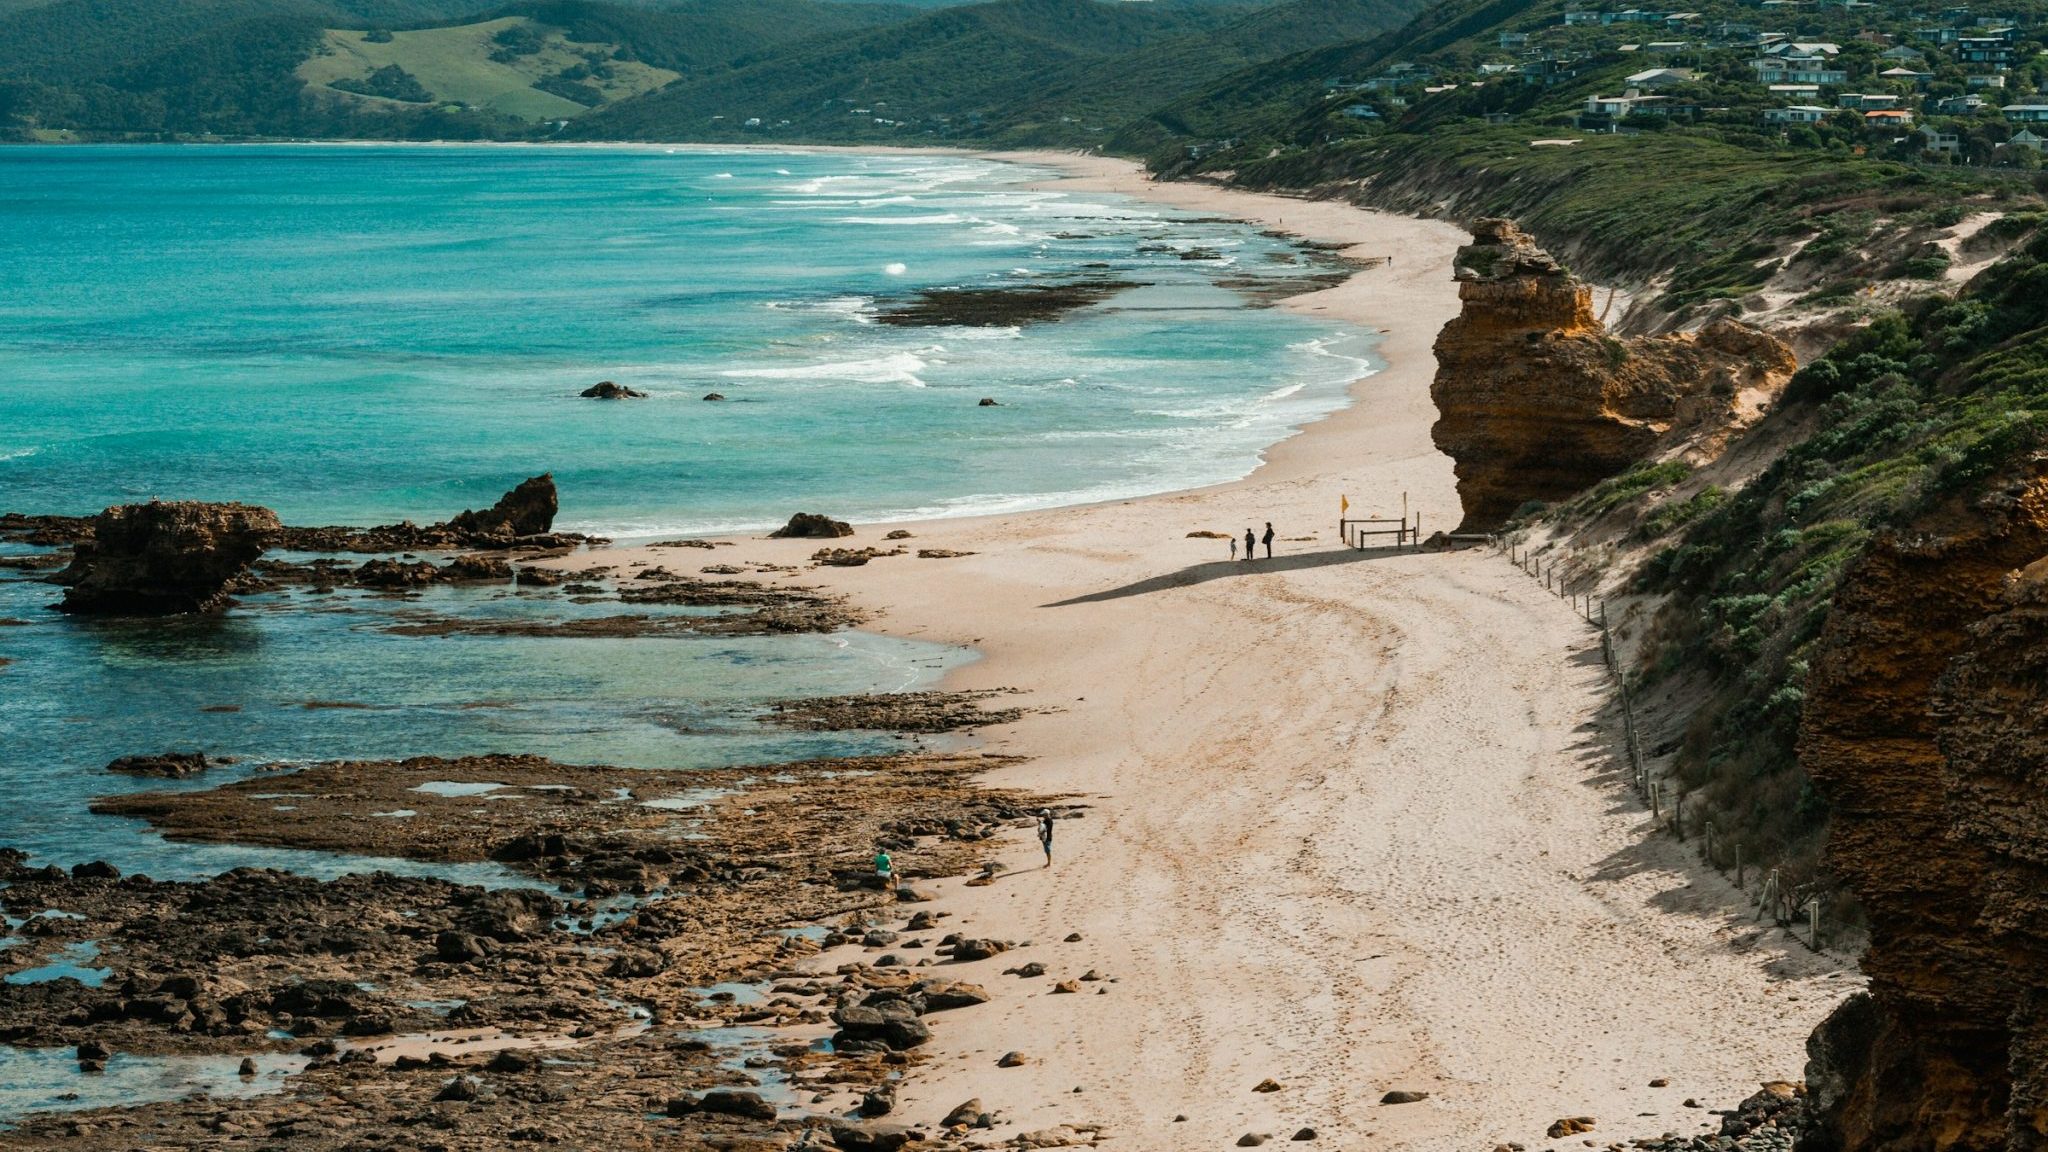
(1355, 821)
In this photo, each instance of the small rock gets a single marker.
(1402, 1096)
(988, 402)
(714, 395)
(248, 1067)
(1027, 971)
(736, 1102)
(1065, 986)
(1013, 1060)
(1303, 1134)
(1267, 1085)
(1660, 1082)
(897, 534)
(606, 390)
(462, 1088)
(1073, 937)
(1252, 1139)
(964, 1114)
(878, 1102)
(1570, 1126)
(1091, 975)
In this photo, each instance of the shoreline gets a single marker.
(1355, 824)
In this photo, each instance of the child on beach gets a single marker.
(1233, 547)
(885, 868)
(1045, 817)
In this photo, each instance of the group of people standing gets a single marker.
(1251, 543)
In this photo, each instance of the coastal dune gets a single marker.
(1353, 821)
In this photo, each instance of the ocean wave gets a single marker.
(939, 218)
(20, 453)
(900, 368)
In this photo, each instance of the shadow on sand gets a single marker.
(1225, 569)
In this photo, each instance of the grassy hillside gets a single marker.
(347, 68)
(1014, 71)
(551, 78)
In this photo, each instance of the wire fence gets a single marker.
(1786, 904)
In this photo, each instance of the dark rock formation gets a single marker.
(1925, 714)
(169, 765)
(812, 526)
(528, 510)
(998, 307)
(162, 558)
(606, 390)
(1537, 402)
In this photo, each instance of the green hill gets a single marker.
(1011, 72)
(377, 68)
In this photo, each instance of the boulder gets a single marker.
(941, 996)
(1013, 1060)
(461, 1089)
(1570, 1126)
(878, 1102)
(892, 1024)
(1403, 1096)
(165, 557)
(527, 510)
(965, 1114)
(812, 526)
(714, 396)
(606, 390)
(736, 1102)
(95, 870)
(852, 1137)
(169, 765)
(978, 949)
(988, 402)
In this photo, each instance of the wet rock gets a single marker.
(95, 870)
(811, 526)
(714, 396)
(850, 557)
(247, 1068)
(527, 510)
(736, 1102)
(164, 558)
(921, 712)
(988, 402)
(606, 390)
(878, 1102)
(1000, 306)
(169, 765)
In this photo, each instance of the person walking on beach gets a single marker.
(885, 868)
(1269, 539)
(1233, 547)
(1045, 833)
(1251, 545)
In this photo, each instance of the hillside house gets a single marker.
(1655, 79)
(1984, 50)
(1889, 118)
(1797, 114)
(1992, 80)
(1796, 93)
(1906, 76)
(1667, 47)
(1958, 105)
(2027, 138)
(1902, 55)
(1801, 70)
(1679, 21)
(1630, 103)
(1551, 70)
(1870, 101)
(2026, 113)
(1942, 143)
(1361, 112)
(1514, 39)
(1576, 17)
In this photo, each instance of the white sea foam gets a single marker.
(900, 368)
(939, 218)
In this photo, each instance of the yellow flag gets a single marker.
(1343, 504)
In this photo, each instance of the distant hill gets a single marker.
(1067, 72)
(371, 67)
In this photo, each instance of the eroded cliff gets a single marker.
(1926, 712)
(165, 557)
(1536, 401)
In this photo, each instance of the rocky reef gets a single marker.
(1927, 707)
(1537, 402)
(164, 557)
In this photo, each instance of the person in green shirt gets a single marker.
(885, 868)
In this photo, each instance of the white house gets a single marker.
(1796, 93)
(1797, 114)
(1630, 103)
(1979, 83)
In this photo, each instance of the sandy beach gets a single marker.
(1354, 819)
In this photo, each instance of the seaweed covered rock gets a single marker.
(1538, 402)
(165, 557)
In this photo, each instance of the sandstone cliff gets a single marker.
(1537, 402)
(1927, 708)
(164, 557)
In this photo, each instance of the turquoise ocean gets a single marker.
(363, 334)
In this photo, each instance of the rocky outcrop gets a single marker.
(812, 526)
(606, 390)
(165, 557)
(1537, 402)
(1926, 709)
(528, 510)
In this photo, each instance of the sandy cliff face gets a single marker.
(165, 557)
(1537, 402)
(1926, 712)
